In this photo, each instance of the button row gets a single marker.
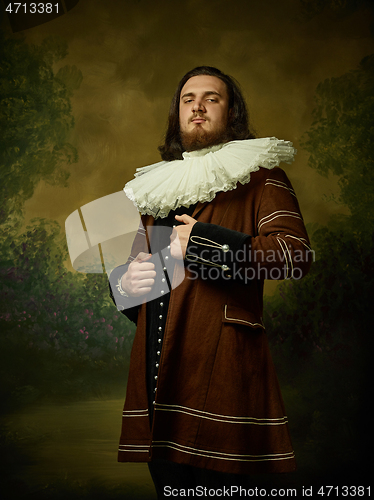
(160, 317)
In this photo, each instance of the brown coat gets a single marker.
(218, 403)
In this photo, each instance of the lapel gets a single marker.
(198, 209)
(216, 210)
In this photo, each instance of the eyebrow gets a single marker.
(208, 92)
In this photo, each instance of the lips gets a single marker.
(198, 119)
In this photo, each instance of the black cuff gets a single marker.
(215, 246)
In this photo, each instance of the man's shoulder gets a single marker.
(263, 175)
(263, 182)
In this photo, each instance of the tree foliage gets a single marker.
(56, 326)
(337, 289)
(60, 333)
(341, 139)
(35, 119)
(339, 8)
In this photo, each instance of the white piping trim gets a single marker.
(290, 257)
(224, 456)
(302, 240)
(133, 451)
(132, 411)
(281, 215)
(277, 212)
(215, 244)
(204, 414)
(284, 254)
(241, 320)
(281, 185)
(136, 413)
(134, 446)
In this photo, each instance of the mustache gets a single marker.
(198, 115)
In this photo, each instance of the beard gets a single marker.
(200, 138)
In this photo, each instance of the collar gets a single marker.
(167, 185)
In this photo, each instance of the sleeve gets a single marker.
(278, 248)
(129, 306)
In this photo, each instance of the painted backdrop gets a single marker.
(84, 99)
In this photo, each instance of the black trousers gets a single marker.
(172, 480)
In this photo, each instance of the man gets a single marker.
(203, 404)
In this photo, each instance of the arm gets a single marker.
(130, 282)
(277, 249)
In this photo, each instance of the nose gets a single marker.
(198, 105)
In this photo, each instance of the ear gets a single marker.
(231, 114)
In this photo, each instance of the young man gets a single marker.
(203, 404)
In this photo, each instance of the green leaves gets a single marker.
(56, 326)
(35, 119)
(341, 139)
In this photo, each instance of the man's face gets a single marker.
(203, 112)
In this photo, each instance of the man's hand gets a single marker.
(139, 278)
(180, 236)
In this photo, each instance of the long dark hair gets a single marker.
(238, 126)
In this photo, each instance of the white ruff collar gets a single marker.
(167, 185)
